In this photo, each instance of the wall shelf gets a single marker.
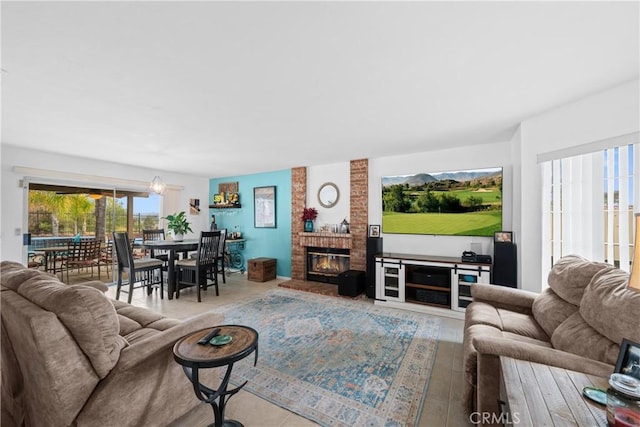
(225, 206)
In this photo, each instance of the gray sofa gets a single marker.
(73, 356)
(576, 323)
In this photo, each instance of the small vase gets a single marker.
(308, 225)
(178, 237)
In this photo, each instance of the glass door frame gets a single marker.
(26, 184)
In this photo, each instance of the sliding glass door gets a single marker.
(57, 212)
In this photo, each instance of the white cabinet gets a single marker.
(429, 284)
(464, 277)
(390, 278)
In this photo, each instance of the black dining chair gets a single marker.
(195, 271)
(146, 271)
(154, 235)
(221, 253)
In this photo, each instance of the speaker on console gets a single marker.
(374, 247)
(505, 266)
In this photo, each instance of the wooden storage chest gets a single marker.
(261, 269)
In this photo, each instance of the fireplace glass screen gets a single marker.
(324, 264)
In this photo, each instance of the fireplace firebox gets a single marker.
(325, 264)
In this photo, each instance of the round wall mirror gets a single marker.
(328, 195)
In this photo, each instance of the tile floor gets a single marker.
(442, 405)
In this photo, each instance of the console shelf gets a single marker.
(433, 288)
(430, 284)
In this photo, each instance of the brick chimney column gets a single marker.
(359, 213)
(298, 203)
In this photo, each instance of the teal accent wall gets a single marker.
(261, 242)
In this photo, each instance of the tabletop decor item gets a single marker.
(178, 224)
(221, 340)
(623, 401)
(308, 216)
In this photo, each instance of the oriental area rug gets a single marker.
(336, 361)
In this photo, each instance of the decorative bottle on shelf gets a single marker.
(308, 225)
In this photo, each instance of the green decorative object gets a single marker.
(178, 224)
(221, 340)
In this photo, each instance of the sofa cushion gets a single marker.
(570, 276)
(14, 274)
(550, 310)
(611, 308)
(480, 313)
(575, 336)
(521, 324)
(137, 323)
(86, 312)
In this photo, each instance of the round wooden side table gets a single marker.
(193, 357)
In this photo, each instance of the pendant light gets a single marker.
(157, 185)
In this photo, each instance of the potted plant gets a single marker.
(308, 216)
(178, 224)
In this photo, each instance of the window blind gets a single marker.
(588, 205)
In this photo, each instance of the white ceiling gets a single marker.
(230, 88)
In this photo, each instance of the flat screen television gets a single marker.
(452, 203)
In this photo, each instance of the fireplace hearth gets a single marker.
(325, 264)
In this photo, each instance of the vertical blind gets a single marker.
(588, 203)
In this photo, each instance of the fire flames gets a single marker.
(328, 265)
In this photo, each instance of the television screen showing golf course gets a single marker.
(456, 203)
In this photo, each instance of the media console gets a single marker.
(428, 284)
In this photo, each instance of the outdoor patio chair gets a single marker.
(106, 257)
(84, 254)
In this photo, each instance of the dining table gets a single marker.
(51, 253)
(174, 247)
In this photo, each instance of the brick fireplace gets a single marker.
(355, 241)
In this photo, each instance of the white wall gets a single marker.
(12, 203)
(604, 115)
(471, 157)
(515, 144)
(339, 174)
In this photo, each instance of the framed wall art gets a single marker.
(194, 206)
(628, 362)
(503, 236)
(264, 207)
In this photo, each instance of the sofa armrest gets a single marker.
(538, 354)
(501, 297)
(146, 348)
